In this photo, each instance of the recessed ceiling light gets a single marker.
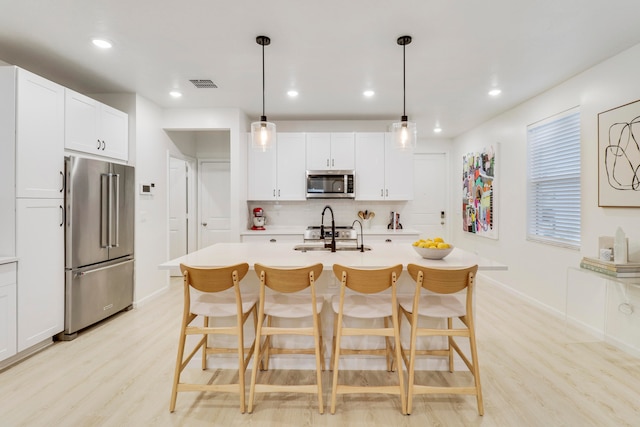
(368, 93)
(102, 44)
(175, 94)
(292, 93)
(437, 129)
(495, 92)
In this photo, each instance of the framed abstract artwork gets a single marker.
(478, 193)
(619, 156)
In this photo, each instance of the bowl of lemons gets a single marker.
(435, 248)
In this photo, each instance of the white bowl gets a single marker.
(431, 253)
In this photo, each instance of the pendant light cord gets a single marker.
(263, 79)
(404, 82)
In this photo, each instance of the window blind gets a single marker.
(553, 212)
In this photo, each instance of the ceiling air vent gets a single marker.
(204, 84)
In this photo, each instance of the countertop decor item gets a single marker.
(433, 253)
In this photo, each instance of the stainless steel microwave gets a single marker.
(331, 184)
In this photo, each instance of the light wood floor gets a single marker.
(535, 371)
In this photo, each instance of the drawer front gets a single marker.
(8, 274)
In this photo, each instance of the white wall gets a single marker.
(536, 270)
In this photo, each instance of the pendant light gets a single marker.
(404, 131)
(263, 133)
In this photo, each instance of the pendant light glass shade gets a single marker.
(263, 133)
(405, 134)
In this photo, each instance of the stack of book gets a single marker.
(610, 268)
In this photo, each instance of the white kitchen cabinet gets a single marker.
(331, 151)
(269, 237)
(8, 346)
(278, 173)
(398, 171)
(382, 171)
(95, 128)
(37, 116)
(291, 169)
(390, 237)
(40, 250)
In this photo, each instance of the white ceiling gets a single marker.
(328, 50)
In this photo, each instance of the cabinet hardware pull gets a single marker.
(64, 183)
(204, 224)
(387, 195)
(99, 145)
(381, 192)
(62, 216)
(274, 192)
(333, 162)
(103, 145)
(272, 240)
(278, 192)
(388, 241)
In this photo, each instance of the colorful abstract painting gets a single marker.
(619, 156)
(478, 193)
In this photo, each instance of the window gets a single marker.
(553, 148)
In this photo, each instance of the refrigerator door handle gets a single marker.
(116, 242)
(109, 210)
(105, 211)
(95, 270)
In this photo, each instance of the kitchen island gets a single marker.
(283, 255)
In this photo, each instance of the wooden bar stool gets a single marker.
(441, 303)
(285, 300)
(211, 300)
(363, 303)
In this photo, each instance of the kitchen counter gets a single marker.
(283, 255)
(7, 260)
(300, 230)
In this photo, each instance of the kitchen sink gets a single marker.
(320, 247)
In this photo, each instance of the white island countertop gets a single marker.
(283, 255)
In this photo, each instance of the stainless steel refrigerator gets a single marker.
(99, 241)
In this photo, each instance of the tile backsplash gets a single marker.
(309, 212)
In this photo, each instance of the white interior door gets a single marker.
(429, 204)
(215, 197)
(178, 209)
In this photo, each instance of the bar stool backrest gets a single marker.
(443, 281)
(288, 280)
(214, 279)
(367, 281)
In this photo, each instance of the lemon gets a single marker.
(416, 243)
(438, 239)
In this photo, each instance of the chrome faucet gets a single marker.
(332, 245)
(361, 235)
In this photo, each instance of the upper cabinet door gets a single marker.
(291, 166)
(318, 151)
(370, 166)
(39, 137)
(330, 150)
(343, 150)
(95, 128)
(114, 131)
(81, 123)
(261, 174)
(398, 171)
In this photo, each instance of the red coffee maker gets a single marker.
(258, 219)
